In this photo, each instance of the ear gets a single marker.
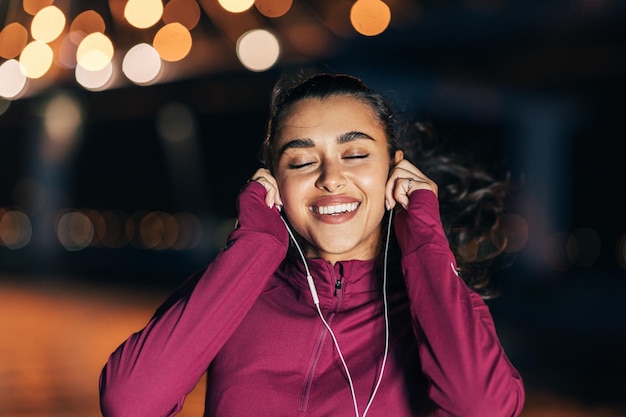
(399, 156)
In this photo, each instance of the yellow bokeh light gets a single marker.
(172, 42)
(143, 14)
(370, 17)
(85, 23)
(13, 39)
(36, 59)
(257, 49)
(236, 6)
(94, 52)
(273, 8)
(47, 24)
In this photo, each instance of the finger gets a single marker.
(267, 180)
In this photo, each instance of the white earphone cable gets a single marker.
(332, 334)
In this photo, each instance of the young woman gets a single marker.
(337, 293)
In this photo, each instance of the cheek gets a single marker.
(291, 190)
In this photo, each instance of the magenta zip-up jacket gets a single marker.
(249, 319)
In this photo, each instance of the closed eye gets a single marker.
(297, 166)
(356, 156)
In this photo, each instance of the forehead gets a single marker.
(329, 116)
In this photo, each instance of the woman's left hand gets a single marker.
(403, 180)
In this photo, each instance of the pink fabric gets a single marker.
(250, 320)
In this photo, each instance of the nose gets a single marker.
(331, 177)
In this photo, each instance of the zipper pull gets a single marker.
(337, 286)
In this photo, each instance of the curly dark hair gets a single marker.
(471, 200)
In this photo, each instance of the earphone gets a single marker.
(316, 301)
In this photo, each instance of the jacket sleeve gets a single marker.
(468, 372)
(150, 374)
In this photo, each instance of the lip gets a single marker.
(346, 202)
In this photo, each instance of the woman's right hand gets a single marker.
(272, 197)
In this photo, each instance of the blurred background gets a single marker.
(128, 127)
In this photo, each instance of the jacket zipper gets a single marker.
(323, 335)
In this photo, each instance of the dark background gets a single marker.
(534, 87)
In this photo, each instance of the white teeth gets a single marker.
(336, 209)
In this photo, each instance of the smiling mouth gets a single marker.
(335, 209)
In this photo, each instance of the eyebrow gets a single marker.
(308, 143)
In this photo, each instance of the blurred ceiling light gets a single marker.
(273, 8)
(172, 42)
(258, 49)
(94, 80)
(141, 64)
(236, 6)
(370, 17)
(185, 12)
(36, 59)
(12, 79)
(143, 14)
(62, 121)
(84, 24)
(94, 52)
(63, 116)
(13, 39)
(47, 24)
(32, 7)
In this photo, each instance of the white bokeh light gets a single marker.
(258, 49)
(94, 80)
(141, 64)
(12, 79)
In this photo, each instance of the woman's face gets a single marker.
(332, 167)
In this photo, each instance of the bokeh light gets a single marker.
(75, 230)
(65, 56)
(236, 6)
(583, 247)
(13, 39)
(84, 24)
(143, 14)
(141, 64)
(32, 7)
(370, 17)
(273, 8)
(95, 51)
(258, 49)
(15, 229)
(172, 42)
(36, 59)
(63, 116)
(12, 79)
(47, 24)
(185, 12)
(94, 80)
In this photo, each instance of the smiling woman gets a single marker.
(340, 291)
